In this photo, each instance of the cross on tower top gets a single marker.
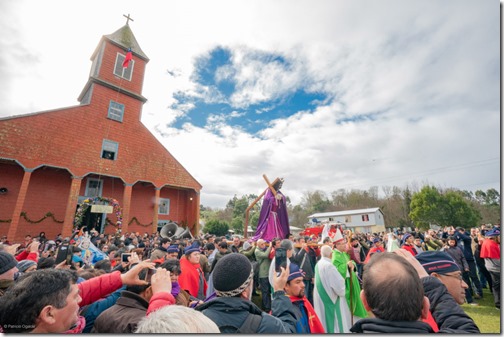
(128, 18)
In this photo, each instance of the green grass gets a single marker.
(486, 316)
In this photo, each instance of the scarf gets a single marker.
(490, 250)
(189, 279)
(175, 289)
(313, 320)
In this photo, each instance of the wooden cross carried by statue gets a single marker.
(272, 189)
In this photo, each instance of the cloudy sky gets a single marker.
(326, 94)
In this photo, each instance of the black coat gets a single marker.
(458, 256)
(377, 325)
(464, 242)
(448, 315)
(297, 258)
(233, 311)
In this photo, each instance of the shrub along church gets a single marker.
(94, 164)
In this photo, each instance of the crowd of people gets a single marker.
(397, 281)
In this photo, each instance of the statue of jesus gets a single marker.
(273, 219)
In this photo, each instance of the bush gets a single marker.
(216, 227)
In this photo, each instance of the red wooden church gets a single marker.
(96, 157)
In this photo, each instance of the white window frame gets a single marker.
(110, 143)
(161, 200)
(116, 111)
(120, 71)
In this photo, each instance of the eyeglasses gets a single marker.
(457, 276)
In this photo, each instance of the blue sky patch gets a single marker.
(216, 79)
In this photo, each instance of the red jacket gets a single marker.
(98, 287)
(24, 255)
(160, 300)
(373, 251)
(272, 253)
(410, 249)
(190, 276)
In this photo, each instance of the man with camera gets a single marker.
(48, 301)
(134, 302)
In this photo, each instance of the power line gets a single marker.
(428, 172)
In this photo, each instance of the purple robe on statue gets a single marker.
(273, 220)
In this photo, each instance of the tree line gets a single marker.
(402, 207)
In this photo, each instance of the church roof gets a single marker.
(124, 37)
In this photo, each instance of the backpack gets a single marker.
(250, 325)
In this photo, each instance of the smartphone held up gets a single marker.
(280, 259)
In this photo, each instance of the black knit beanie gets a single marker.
(7, 262)
(232, 275)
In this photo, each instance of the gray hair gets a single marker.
(325, 251)
(286, 244)
(176, 319)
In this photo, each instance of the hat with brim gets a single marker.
(437, 262)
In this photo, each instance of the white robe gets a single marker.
(334, 286)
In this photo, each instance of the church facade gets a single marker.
(94, 165)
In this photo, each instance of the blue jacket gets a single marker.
(93, 310)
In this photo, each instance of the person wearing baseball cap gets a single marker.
(443, 267)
